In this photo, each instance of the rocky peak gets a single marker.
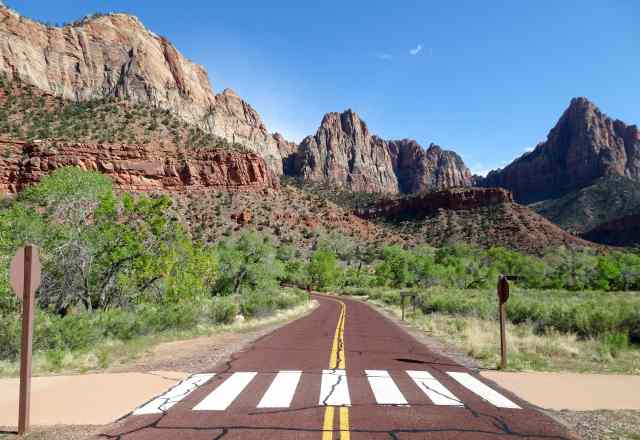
(584, 145)
(116, 55)
(343, 152)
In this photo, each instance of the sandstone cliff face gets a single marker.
(420, 170)
(115, 55)
(134, 167)
(345, 154)
(584, 145)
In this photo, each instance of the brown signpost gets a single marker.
(503, 296)
(24, 276)
(411, 295)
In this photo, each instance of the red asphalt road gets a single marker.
(371, 342)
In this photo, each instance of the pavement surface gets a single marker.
(572, 391)
(342, 372)
(87, 399)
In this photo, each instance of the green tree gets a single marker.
(323, 269)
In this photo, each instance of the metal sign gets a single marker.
(503, 289)
(25, 278)
(17, 271)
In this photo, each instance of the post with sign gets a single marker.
(411, 295)
(503, 296)
(25, 278)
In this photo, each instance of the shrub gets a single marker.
(223, 310)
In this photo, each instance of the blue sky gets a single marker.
(486, 79)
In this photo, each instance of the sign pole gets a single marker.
(27, 333)
(503, 296)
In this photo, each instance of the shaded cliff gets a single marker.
(584, 146)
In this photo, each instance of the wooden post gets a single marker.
(27, 333)
(402, 297)
(503, 296)
(24, 277)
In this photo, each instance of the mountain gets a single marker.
(344, 153)
(482, 216)
(584, 145)
(115, 55)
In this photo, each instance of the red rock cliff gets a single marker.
(135, 167)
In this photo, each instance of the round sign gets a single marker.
(503, 289)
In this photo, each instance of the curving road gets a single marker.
(342, 372)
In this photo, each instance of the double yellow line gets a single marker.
(337, 361)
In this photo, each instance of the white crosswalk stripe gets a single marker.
(437, 392)
(226, 392)
(174, 395)
(334, 390)
(482, 390)
(384, 388)
(281, 391)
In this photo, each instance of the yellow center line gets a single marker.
(337, 360)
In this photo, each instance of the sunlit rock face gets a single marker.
(116, 55)
(344, 153)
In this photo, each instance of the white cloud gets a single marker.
(416, 49)
(384, 56)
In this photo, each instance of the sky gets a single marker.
(485, 79)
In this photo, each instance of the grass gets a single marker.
(113, 351)
(545, 341)
(100, 340)
(528, 350)
(585, 313)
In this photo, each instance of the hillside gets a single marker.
(609, 198)
(290, 216)
(481, 216)
(623, 231)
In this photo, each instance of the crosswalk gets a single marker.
(334, 390)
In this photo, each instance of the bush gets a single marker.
(223, 310)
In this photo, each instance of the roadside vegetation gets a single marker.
(570, 310)
(120, 267)
(117, 267)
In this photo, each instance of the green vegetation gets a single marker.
(118, 266)
(609, 198)
(529, 349)
(614, 317)
(27, 113)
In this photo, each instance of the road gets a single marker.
(343, 372)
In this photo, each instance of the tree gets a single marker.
(323, 269)
(397, 267)
(248, 264)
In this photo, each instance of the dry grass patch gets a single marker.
(528, 350)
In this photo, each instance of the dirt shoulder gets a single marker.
(203, 353)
